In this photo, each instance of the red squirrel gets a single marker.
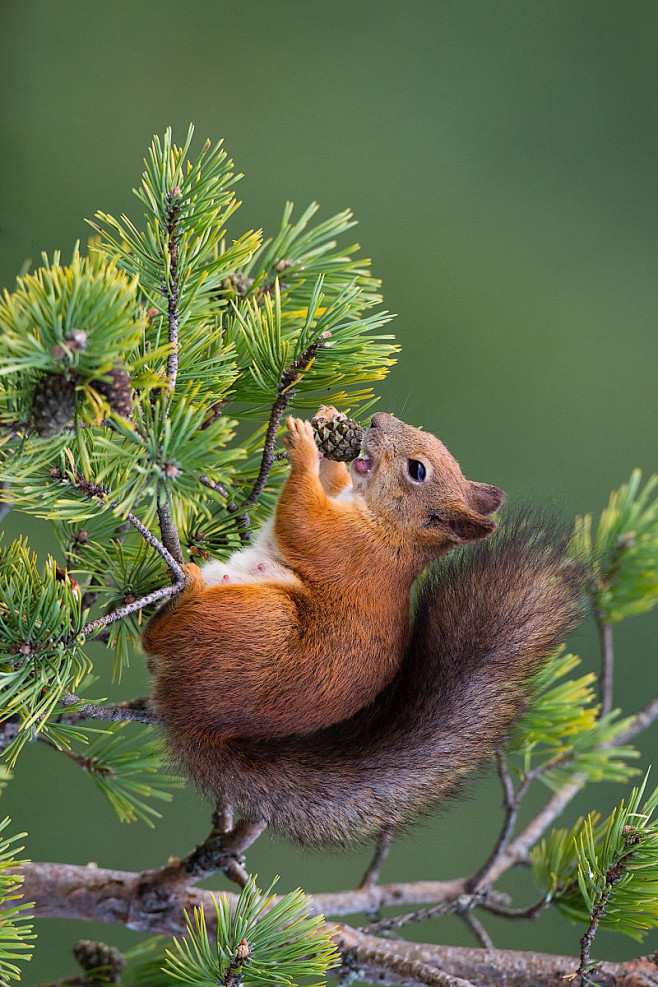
(289, 680)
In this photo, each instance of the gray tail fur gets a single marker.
(485, 619)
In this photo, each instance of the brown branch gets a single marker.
(5, 505)
(137, 710)
(640, 722)
(613, 875)
(517, 851)
(478, 930)
(290, 376)
(512, 800)
(223, 849)
(171, 290)
(168, 529)
(151, 902)
(384, 841)
(607, 663)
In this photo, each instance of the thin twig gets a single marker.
(640, 722)
(530, 913)
(512, 801)
(290, 376)
(607, 663)
(455, 905)
(517, 851)
(5, 505)
(613, 875)
(109, 618)
(213, 485)
(384, 841)
(478, 930)
(116, 713)
(223, 850)
(168, 529)
(171, 290)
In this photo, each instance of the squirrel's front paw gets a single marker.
(300, 443)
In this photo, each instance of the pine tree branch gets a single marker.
(136, 710)
(613, 875)
(478, 930)
(640, 722)
(223, 850)
(290, 376)
(607, 663)
(5, 505)
(171, 290)
(516, 852)
(168, 529)
(143, 901)
(384, 841)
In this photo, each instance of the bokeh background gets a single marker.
(501, 158)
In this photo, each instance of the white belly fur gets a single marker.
(261, 562)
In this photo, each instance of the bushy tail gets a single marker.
(485, 619)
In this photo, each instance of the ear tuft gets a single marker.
(485, 498)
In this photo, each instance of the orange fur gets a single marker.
(281, 656)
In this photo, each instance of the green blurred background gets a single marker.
(501, 158)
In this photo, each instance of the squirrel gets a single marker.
(290, 680)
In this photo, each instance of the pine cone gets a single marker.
(116, 389)
(90, 955)
(338, 439)
(53, 404)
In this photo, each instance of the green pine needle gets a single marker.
(261, 942)
(610, 863)
(623, 550)
(41, 653)
(16, 935)
(562, 733)
(127, 768)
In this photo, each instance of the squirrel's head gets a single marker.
(410, 481)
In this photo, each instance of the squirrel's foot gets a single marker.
(300, 443)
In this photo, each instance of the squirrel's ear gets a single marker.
(485, 498)
(460, 523)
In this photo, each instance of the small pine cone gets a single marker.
(53, 404)
(116, 389)
(90, 955)
(338, 439)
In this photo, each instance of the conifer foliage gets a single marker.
(142, 390)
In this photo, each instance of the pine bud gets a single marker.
(242, 951)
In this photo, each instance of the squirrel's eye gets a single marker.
(416, 470)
